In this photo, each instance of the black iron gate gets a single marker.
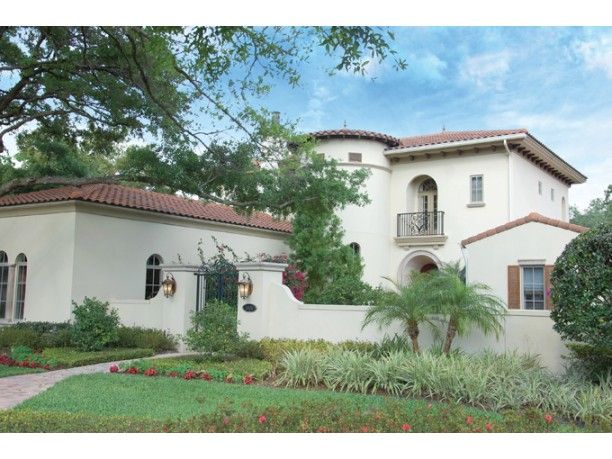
(216, 283)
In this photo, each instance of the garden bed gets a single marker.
(87, 403)
(6, 370)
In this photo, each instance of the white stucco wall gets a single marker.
(280, 315)
(113, 244)
(45, 234)
(525, 197)
(368, 225)
(487, 259)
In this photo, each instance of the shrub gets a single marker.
(145, 338)
(344, 290)
(214, 329)
(95, 327)
(36, 335)
(11, 336)
(273, 350)
(593, 362)
(582, 291)
(302, 368)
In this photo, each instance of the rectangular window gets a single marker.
(540, 188)
(533, 287)
(355, 157)
(552, 194)
(476, 194)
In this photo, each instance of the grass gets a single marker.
(164, 398)
(71, 357)
(12, 371)
(136, 403)
(260, 369)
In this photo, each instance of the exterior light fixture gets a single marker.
(245, 286)
(169, 285)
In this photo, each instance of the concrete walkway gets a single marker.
(16, 389)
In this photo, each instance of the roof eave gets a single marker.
(423, 149)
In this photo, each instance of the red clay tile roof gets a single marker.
(133, 198)
(532, 217)
(454, 136)
(357, 134)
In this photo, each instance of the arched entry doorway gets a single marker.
(419, 260)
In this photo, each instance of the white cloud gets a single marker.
(427, 66)
(486, 70)
(596, 53)
(316, 107)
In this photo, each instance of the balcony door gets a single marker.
(428, 204)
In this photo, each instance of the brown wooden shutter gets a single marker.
(514, 287)
(547, 287)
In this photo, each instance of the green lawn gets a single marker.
(12, 371)
(200, 406)
(260, 369)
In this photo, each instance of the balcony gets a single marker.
(420, 229)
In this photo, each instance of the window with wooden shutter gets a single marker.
(514, 287)
(548, 269)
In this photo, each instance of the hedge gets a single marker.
(69, 357)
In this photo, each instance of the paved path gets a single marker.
(16, 389)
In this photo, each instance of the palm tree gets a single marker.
(465, 305)
(409, 304)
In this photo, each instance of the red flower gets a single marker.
(114, 369)
(469, 420)
(262, 419)
(226, 420)
(47, 367)
(33, 365)
(165, 429)
(248, 379)
(206, 376)
(173, 374)
(406, 427)
(132, 370)
(489, 427)
(189, 375)
(150, 372)
(365, 429)
(548, 418)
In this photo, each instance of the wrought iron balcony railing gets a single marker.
(420, 224)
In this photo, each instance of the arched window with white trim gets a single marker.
(4, 274)
(153, 277)
(21, 275)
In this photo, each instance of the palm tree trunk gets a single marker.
(451, 331)
(413, 332)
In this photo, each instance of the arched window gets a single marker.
(153, 279)
(21, 274)
(4, 272)
(356, 248)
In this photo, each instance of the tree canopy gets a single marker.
(599, 211)
(183, 98)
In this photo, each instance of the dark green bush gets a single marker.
(148, 338)
(582, 289)
(214, 330)
(591, 361)
(36, 335)
(12, 336)
(345, 290)
(95, 326)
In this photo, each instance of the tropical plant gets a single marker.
(464, 305)
(409, 304)
(214, 329)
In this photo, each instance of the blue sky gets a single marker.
(554, 81)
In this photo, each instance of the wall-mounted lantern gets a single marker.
(169, 285)
(245, 286)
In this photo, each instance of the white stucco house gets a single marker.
(495, 200)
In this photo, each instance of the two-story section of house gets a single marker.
(431, 192)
